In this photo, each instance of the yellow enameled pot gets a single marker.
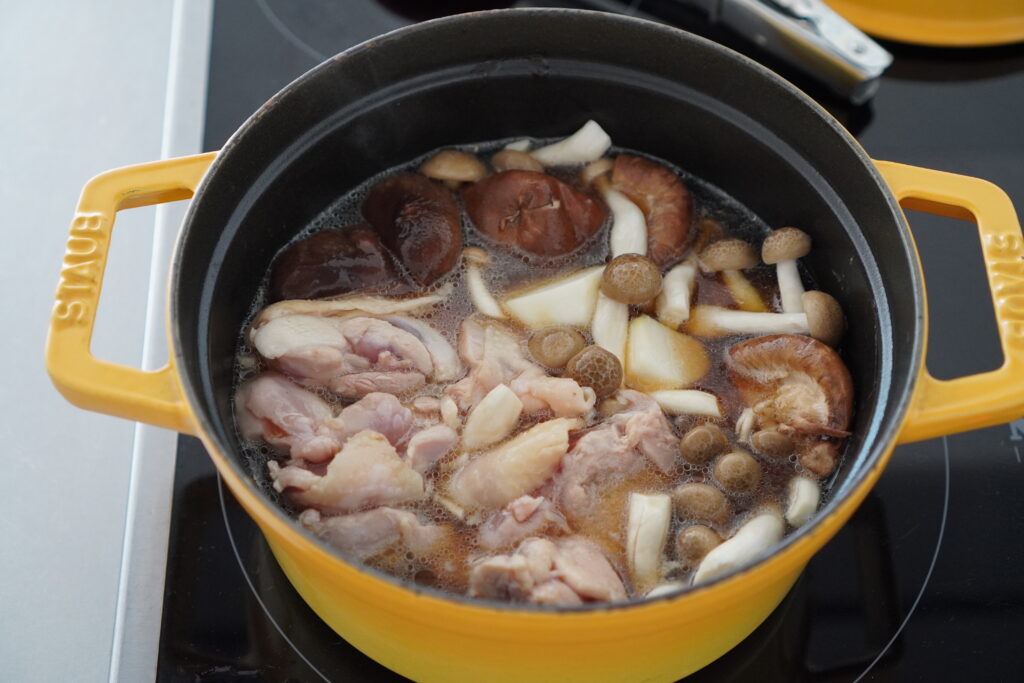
(511, 73)
(954, 23)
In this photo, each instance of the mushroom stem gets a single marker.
(628, 234)
(610, 325)
(587, 144)
(519, 145)
(673, 302)
(745, 425)
(804, 496)
(714, 321)
(752, 540)
(743, 293)
(791, 288)
(687, 402)
(476, 259)
(649, 518)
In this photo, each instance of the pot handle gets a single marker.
(943, 407)
(155, 396)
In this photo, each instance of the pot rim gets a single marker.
(841, 506)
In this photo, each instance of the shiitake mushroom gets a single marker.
(533, 211)
(418, 220)
(333, 262)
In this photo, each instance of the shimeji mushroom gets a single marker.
(476, 259)
(782, 248)
(729, 257)
(673, 303)
(649, 518)
(804, 496)
(753, 540)
(587, 144)
(453, 167)
(514, 160)
(610, 325)
(628, 234)
(822, 319)
(745, 425)
(492, 419)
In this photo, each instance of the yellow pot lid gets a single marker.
(957, 23)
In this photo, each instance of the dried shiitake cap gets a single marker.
(824, 317)
(453, 165)
(728, 254)
(596, 368)
(631, 279)
(554, 346)
(702, 443)
(785, 244)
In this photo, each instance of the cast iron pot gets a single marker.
(542, 73)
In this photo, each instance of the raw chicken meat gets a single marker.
(525, 516)
(287, 416)
(367, 472)
(568, 571)
(300, 422)
(381, 413)
(499, 476)
(494, 354)
(350, 356)
(614, 450)
(428, 446)
(365, 534)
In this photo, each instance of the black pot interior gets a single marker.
(543, 73)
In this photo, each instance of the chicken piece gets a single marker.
(568, 571)
(287, 417)
(525, 516)
(499, 476)
(378, 412)
(365, 534)
(350, 356)
(427, 446)
(367, 472)
(494, 353)
(614, 450)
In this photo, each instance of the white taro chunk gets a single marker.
(688, 402)
(753, 540)
(649, 518)
(568, 300)
(587, 144)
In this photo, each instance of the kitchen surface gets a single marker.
(122, 545)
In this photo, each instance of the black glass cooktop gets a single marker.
(924, 584)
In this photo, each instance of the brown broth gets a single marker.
(448, 569)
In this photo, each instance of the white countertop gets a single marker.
(88, 87)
